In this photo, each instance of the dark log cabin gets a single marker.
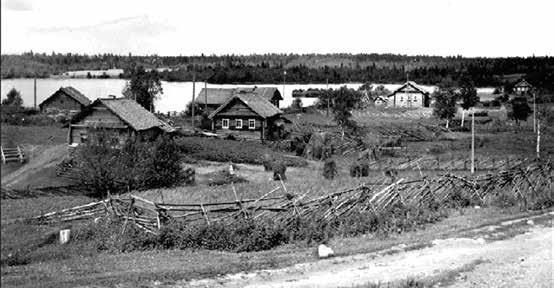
(248, 115)
(212, 98)
(119, 118)
(65, 100)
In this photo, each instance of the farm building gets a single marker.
(248, 115)
(66, 99)
(522, 87)
(409, 95)
(118, 118)
(212, 98)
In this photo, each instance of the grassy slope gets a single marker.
(169, 266)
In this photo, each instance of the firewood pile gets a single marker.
(524, 182)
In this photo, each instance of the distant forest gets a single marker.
(305, 68)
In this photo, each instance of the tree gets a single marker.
(468, 94)
(344, 100)
(445, 104)
(13, 98)
(296, 104)
(144, 87)
(520, 109)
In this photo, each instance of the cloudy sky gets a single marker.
(438, 27)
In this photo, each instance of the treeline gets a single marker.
(305, 68)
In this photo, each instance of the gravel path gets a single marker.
(521, 261)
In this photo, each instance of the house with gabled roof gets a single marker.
(212, 98)
(409, 95)
(522, 87)
(248, 115)
(66, 99)
(120, 119)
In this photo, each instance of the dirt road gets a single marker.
(524, 260)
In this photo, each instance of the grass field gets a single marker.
(79, 264)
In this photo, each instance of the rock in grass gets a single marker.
(324, 251)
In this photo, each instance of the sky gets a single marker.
(472, 28)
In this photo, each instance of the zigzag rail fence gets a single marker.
(524, 182)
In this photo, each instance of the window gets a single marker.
(239, 124)
(225, 123)
(251, 123)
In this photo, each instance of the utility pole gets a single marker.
(328, 96)
(284, 76)
(206, 96)
(35, 92)
(193, 94)
(472, 140)
(534, 112)
(539, 140)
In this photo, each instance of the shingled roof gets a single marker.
(523, 83)
(258, 104)
(218, 96)
(134, 115)
(71, 92)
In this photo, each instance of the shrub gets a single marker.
(329, 169)
(136, 165)
(279, 169)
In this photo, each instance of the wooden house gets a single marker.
(212, 98)
(409, 95)
(248, 115)
(522, 87)
(65, 100)
(118, 118)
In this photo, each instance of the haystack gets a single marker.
(318, 146)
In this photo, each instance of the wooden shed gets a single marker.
(65, 100)
(118, 118)
(409, 95)
(248, 115)
(212, 98)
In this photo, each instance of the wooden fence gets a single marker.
(524, 182)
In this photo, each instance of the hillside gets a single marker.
(305, 68)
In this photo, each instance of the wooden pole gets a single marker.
(534, 113)
(472, 141)
(193, 95)
(206, 96)
(538, 140)
(327, 94)
(35, 93)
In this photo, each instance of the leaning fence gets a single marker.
(524, 182)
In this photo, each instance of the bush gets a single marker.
(329, 169)
(136, 165)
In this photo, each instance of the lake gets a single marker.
(175, 97)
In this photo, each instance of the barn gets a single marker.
(409, 95)
(212, 98)
(66, 100)
(118, 118)
(248, 115)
